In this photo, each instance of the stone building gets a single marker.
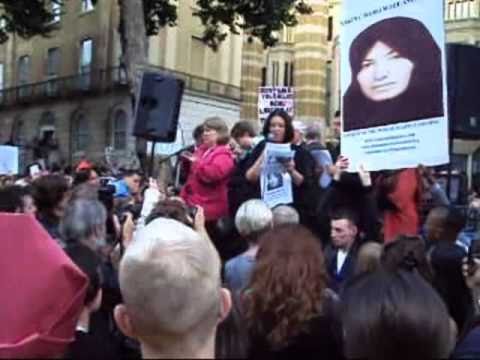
(70, 84)
(299, 59)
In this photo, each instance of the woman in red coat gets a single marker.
(211, 167)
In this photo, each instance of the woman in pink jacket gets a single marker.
(212, 165)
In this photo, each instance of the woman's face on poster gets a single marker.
(384, 74)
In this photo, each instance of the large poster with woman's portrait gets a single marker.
(394, 97)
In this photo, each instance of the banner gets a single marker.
(8, 160)
(271, 98)
(275, 182)
(394, 93)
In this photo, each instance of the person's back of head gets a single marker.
(11, 199)
(290, 265)
(408, 253)
(48, 192)
(252, 219)
(84, 222)
(395, 315)
(170, 283)
(368, 259)
(313, 132)
(174, 209)
(285, 215)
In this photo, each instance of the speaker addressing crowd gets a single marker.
(217, 272)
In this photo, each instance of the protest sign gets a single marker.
(275, 182)
(8, 160)
(271, 98)
(394, 103)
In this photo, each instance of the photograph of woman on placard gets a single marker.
(396, 75)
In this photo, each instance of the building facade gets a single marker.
(299, 60)
(70, 86)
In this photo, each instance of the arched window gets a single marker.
(120, 130)
(80, 133)
(46, 124)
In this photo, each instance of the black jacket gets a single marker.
(339, 279)
(305, 196)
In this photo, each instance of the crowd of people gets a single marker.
(358, 265)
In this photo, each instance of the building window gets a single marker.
(288, 35)
(86, 59)
(264, 76)
(275, 73)
(330, 28)
(2, 81)
(53, 67)
(80, 135)
(46, 126)
(120, 130)
(87, 5)
(461, 9)
(56, 11)
(288, 74)
(24, 70)
(292, 73)
(53, 62)
(24, 76)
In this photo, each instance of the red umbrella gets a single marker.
(42, 291)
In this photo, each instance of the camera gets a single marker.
(134, 209)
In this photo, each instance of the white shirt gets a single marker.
(341, 257)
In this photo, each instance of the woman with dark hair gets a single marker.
(396, 75)
(407, 253)
(290, 312)
(395, 315)
(278, 129)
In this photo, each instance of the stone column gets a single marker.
(311, 54)
(252, 63)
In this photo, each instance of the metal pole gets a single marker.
(152, 160)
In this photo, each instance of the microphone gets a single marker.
(270, 137)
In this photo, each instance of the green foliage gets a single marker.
(26, 18)
(258, 18)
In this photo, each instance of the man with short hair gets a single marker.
(129, 185)
(341, 254)
(171, 287)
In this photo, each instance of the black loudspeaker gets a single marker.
(463, 69)
(158, 107)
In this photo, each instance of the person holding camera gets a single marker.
(278, 129)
